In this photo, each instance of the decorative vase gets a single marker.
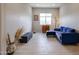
(11, 48)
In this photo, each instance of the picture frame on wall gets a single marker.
(35, 17)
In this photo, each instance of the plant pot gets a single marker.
(11, 49)
(10, 53)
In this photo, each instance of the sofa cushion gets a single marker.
(66, 29)
(70, 30)
(61, 28)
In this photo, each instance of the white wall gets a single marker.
(0, 28)
(3, 40)
(37, 11)
(13, 16)
(69, 15)
(17, 16)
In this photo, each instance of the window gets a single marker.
(45, 18)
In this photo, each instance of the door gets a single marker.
(45, 28)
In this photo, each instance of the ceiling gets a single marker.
(45, 5)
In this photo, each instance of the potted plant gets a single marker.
(11, 46)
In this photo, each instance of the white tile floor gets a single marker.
(41, 45)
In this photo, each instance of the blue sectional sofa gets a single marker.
(65, 35)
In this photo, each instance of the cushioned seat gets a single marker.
(51, 32)
(26, 37)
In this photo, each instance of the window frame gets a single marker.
(50, 15)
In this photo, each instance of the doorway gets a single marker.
(45, 21)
